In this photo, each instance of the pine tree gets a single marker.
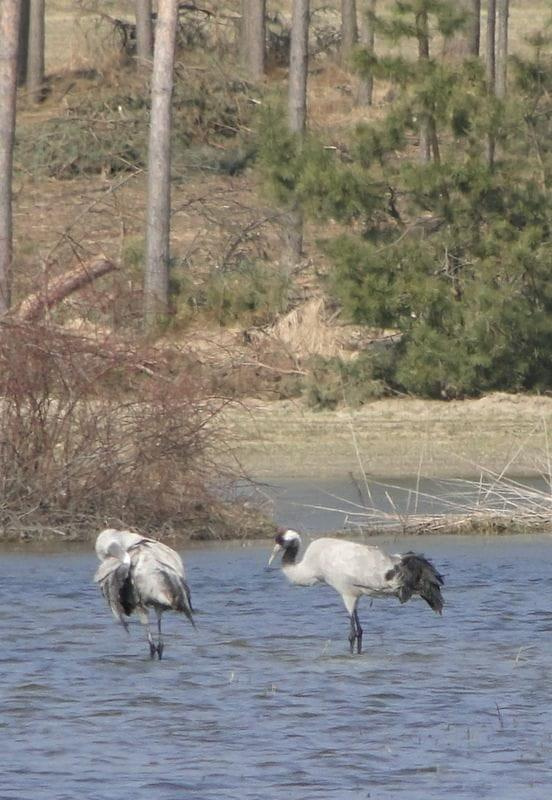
(503, 10)
(451, 253)
(144, 31)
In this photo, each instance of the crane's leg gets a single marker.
(358, 631)
(353, 633)
(160, 642)
(143, 616)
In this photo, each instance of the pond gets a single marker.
(336, 503)
(264, 700)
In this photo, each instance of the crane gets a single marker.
(354, 570)
(137, 573)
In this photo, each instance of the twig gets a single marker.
(110, 190)
(244, 234)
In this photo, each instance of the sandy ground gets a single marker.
(395, 438)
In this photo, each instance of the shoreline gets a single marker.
(491, 528)
(498, 437)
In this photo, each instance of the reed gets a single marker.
(496, 502)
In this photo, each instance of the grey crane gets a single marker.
(354, 570)
(137, 573)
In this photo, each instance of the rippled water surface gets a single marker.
(264, 701)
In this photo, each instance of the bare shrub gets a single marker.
(94, 432)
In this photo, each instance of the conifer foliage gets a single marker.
(450, 251)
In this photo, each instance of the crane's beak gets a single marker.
(273, 555)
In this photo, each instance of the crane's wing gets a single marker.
(158, 578)
(113, 577)
(165, 556)
(348, 565)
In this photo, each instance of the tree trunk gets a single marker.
(156, 278)
(144, 31)
(503, 9)
(349, 28)
(35, 54)
(9, 40)
(422, 34)
(490, 47)
(367, 38)
(490, 70)
(298, 66)
(473, 31)
(297, 108)
(254, 38)
(23, 35)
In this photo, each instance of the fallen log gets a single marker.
(57, 289)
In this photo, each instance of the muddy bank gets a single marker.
(395, 438)
(240, 521)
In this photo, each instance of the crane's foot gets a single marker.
(153, 649)
(160, 648)
(355, 642)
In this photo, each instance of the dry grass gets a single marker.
(492, 505)
(314, 329)
(395, 438)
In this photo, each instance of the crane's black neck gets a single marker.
(290, 553)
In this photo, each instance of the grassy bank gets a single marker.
(395, 438)
(488, 461)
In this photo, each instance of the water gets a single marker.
(264, 701)
(350, 502)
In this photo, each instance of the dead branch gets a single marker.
(279, 370)
(244, 234)
(54, 292)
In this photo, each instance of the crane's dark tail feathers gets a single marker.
(417, 575)
(117, 590)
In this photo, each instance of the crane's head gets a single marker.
(115, 550)
(288, 543)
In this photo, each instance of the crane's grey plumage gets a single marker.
(137, 573)
(355, 569)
